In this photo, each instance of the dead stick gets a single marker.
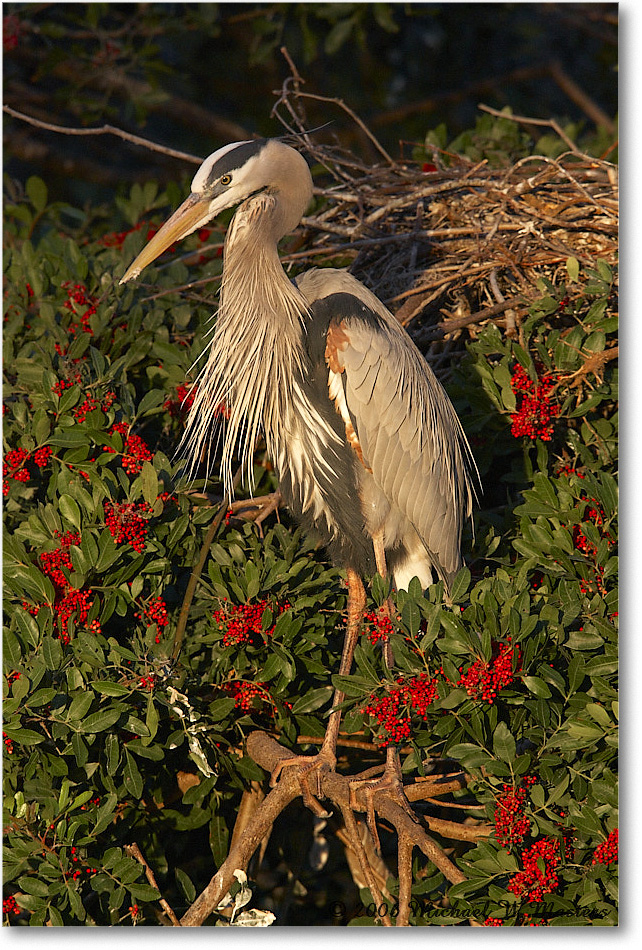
(580, 98)
(134, 851)
(267, 752)
(404, 873)
(196, 573)
(358, 848)
(104, 130)
(239, 856)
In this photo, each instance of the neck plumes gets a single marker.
(256, 351)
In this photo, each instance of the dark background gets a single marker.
(195, 76)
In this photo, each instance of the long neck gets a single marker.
(256, 350)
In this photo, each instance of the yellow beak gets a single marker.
(192, 214)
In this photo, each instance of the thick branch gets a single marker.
(267, 752)
(241, 852)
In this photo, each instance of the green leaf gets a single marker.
(37, 193)
(69, 509)
(109, 688)
(504, 743)
(80, 705)
(221, 708)
(23, 736)
(219, 838)
(28, 628)
(31, 885)
(149, 481)
(460, 585)
(132, 777)
(536, 686)
(33, 582)
(105, 815)
(468, 754)
(101, 720)
(150, 401)
(312, 700)
(52, 653)
(143, 892)
(573, 268)
(11, 652)
(576, 673)
(185, 885)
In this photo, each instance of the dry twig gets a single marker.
(134, 851)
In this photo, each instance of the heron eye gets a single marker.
(225, 179)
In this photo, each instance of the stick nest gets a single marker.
(449, 250)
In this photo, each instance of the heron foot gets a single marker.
(390, 782)
(309, 765)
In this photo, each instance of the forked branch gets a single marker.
(336, 790)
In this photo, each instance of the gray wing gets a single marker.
(410, 436)
(407, 428)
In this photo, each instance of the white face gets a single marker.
(231, 170)
(228, 177)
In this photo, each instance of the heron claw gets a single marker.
(315, 764)
(390, 781)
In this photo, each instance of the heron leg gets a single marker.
(326, 758)
(391, 780)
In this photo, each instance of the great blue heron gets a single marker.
(367, 446)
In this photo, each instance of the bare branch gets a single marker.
(104, 130)
(134, 851)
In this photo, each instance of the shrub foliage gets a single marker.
(118, 728)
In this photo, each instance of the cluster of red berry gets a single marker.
(54, 561)
(511, 824)
(42, 455)
(606, 852)
(135, 450)
(75, 602)
(535, 410)
(525, 921)
(395, 710)
(243, 623)
(8, 744)
(117, 238)
(539, 875)
(483, 680)
(593, 514)
(13, 466)
(77, 296)
(155, 612)
(183, 402)
(125, 522)
(90, 403)
(15, 462)
(78, 872)
(147, 682)
(9, 905)
(69, 600)
(381, 627)
(73, 379)
(11, 30)
(245, 693)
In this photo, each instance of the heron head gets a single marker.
(225, 179)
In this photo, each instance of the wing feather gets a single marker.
(411, 437)
(408, 430)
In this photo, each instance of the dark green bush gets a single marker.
(111, 739)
